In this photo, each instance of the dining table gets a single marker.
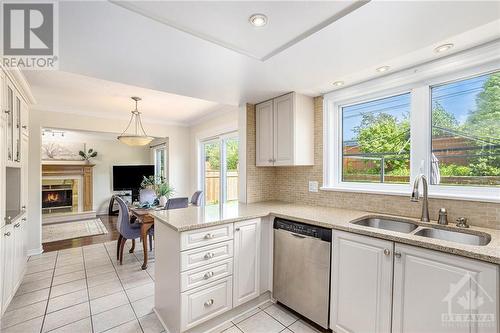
(146, 222)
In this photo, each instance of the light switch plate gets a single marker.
(313, 186)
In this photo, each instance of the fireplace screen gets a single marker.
(57, 198)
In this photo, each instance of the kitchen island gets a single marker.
(215, 263)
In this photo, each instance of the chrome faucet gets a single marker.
(415, 196)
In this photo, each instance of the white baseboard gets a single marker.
(34, 252)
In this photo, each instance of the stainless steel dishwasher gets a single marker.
(301, 273)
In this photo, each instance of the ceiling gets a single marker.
(72, 93)
(208, 50)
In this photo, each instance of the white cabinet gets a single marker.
(443, 288)
(430, 291)
(19, 258)
(8, 253)
(246, 275)
(264, 133)
(361, 284)
(285, 131)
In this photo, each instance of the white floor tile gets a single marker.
(151, 324)
(27, 287)
(68, 269)
(140, 292)
(105, 289)
(245, 315)
(37, 276)
(67, 300)
(29, 298)
(81, 326)
(302, 327)
(67, 288)
(69, 277)
(130, 327)
(66, 316)
(101, 279)
(281, 314)
(232, 329)
(144, 306)
(260, 323)
(97, 270)
(30, 326)
(108, 302)
(23, 314)
(115, 317)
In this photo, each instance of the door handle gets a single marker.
(297, 235)
(17, 225)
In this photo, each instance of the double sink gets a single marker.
(405, 226)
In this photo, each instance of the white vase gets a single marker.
(163, 201)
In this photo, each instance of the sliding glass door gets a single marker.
(220, 169)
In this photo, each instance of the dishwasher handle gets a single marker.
(297, 235)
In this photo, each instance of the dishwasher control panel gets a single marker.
(303, 229)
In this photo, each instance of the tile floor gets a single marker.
(85, 290)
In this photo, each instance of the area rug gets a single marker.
(74, 229)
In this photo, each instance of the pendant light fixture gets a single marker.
(139, 138)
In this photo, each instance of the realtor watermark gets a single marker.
(469, 305)
(30, 39)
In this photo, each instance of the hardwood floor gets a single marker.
(108, 221)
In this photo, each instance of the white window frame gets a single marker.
(221, 140)
(164, 147)
(418, 81)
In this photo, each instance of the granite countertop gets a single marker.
(192, 218)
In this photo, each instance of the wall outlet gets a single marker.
(313, 186)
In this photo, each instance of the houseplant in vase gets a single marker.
(163, 191)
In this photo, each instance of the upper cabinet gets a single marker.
(285, 131)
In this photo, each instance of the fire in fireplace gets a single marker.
(57, 198)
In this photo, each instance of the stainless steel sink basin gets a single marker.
(454, 236)
(387, 224)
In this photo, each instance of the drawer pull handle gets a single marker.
(397, 254)
(208, 303)
(23, 219)
(208, 275)
(209, 236)
(7, 234)
(387, 252)
(17, 225)
(209, 255)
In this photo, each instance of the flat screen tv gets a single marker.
(129, 177)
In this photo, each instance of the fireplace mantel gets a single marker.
(80, 169)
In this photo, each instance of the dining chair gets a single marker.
(126, 229)
(197, 198)
(175, 203)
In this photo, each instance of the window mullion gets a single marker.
(420, 130)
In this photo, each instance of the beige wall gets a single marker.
(291, 184)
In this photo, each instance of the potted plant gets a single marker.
(86, 156)
(163, 191)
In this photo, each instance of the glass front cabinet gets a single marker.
(13, 106)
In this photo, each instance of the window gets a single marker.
(160, 160)
(376, 141)
(466, 132)
(220, 167)
(435, 119)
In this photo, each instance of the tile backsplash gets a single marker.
(291, 184)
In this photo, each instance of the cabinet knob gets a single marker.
(7, 111)
(17, 225)
(25, 126)
(7, 234)
(208, 275)
(387, 252)
(209, 302)
(397, 254)
(209, 255)
(23, 207)
(237, 229)
(23, 219)
(209, 236)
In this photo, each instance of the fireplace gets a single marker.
(54, 197)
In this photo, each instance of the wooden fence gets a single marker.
(212, 183)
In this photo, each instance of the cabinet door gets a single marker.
(435, 292)
(9, 110)
(361, 288)
(264, 134)
(19, 251)
(283, 130)
(17, 128)
(8, 264)
(246, 275)
(24, 172)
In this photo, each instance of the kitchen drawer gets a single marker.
(206, 302)
(206, 255)
(206, 274)
(206, 236)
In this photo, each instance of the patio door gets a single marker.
(219, 167)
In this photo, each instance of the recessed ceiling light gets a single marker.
(443, 48)
(383, 69)
(258, 20)
(338, 83)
